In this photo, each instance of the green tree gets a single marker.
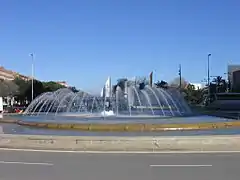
(22, 88)
(161, 84)
(51, 86)
(25, 89)
(38, 89)
(192, 95)
(8, 88)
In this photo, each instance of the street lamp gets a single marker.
(208, 79)
(180, 76)
(32, 59)
(208, 70)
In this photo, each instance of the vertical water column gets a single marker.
(118, 91)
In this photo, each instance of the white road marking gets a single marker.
(25, 163)
(119, 152)
(181, 165)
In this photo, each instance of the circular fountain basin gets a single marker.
(123, 124)
(17, 129)
(96, 118)
(132, 110)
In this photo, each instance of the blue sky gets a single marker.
(84, 41)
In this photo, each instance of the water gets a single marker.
(120, 119)
(131, 105)
(150, 101)
(16, 129)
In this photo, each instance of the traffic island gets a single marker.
(126, 144)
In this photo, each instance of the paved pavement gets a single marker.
(61, 166)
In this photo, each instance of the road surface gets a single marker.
(19, 165)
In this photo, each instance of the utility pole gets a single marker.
(180, 76)
(32, 59)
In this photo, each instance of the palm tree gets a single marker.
(221, 84)
(218, 80)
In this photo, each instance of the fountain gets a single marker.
(128, 110)
(130, 103)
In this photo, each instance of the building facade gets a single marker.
(234, 76)
(11, 75)
(6, 74)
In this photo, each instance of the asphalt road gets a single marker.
(61, 166)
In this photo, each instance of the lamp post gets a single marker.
(180, 76)
(32, 59)
(208, 71)
(208, 78)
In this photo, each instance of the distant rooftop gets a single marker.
(64, 83)
(10, 75)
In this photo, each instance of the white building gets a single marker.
(63, 83)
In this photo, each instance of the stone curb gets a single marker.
(8, 121)
(75, 143)
(132, 127)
